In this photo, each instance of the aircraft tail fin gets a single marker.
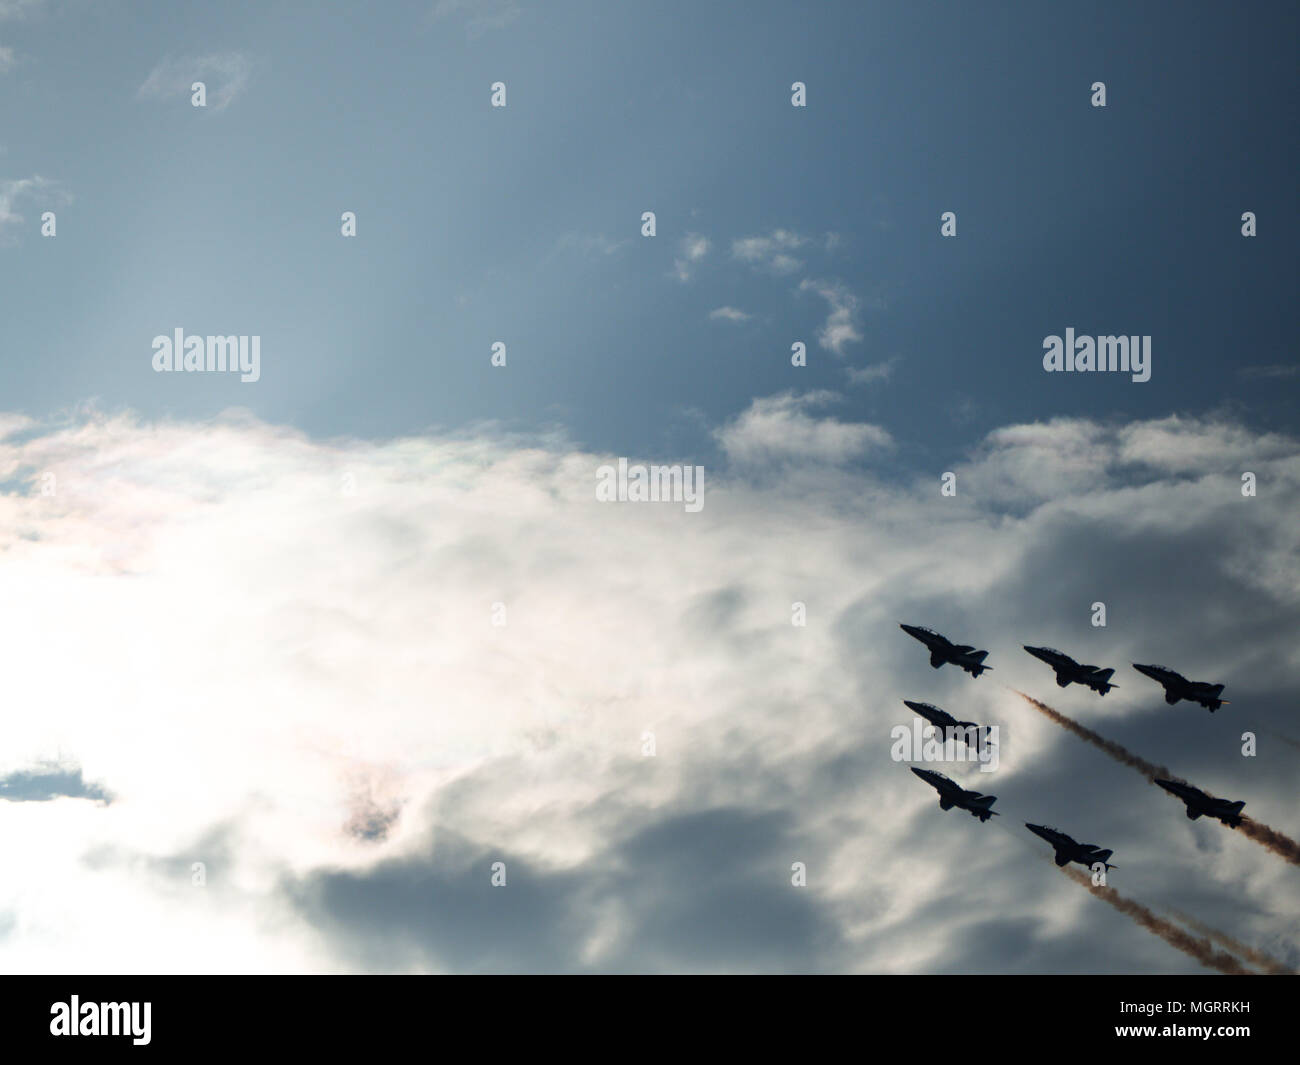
(979, 656)
(1105, 674)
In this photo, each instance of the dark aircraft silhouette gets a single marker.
(1067, 850)
(1198, 803)
(1179, 687)
(949, 725)
(1069, 671)
(953, 794)
(943, 650)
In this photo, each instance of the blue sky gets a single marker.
(522, 224)
(258, 622)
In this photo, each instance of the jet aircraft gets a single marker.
(949, 725)
(953, 794)
(1199, 802)
(943, 650)
(1068, 671)
(1067, 850)
(1179, 687)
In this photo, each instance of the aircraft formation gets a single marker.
(1068, 671)
(1177, 687)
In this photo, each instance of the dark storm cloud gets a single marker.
(701, 891)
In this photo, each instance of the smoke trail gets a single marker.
(1200, 949)
(1255, 957)
(1121, 754)
(1285, 739)
(1281, 845)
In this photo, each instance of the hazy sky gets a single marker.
(257, 625)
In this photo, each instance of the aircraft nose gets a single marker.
(911, 705)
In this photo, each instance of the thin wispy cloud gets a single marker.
(32, 192)
(841, 326)
(1273, 372)
(17, 9)
(693, 250)
(771, 252)
(867, 375)
(729, 314)
(480, 16)
(595, 245)
(226, 75)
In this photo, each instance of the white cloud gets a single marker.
(771, 252)
(866, 375)
(226, 75)
(779, 429)
(300, 685)
(693, 250)
(729, 314)
(35, 191)
(841, 326)
(6, 59)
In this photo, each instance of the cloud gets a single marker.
(226, 74)
(301, 687)
(481, 16)
(591, 245)
(841, 327)
(772, 252)
(6, 59)
(729, 314)
(1270, 372)
(26, 190)
(780, 428)
(866, 375)
(17, 9)
(693, 250)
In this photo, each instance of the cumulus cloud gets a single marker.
(280, 653)
(781, 428)
(226, 75)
